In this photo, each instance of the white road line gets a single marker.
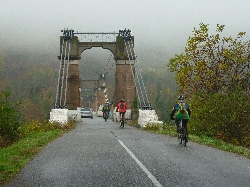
(153, 179)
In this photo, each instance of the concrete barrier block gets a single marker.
(147, 117)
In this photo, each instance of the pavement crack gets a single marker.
(113, 133)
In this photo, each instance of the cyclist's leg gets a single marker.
(177, 122)
(120, 119)
(119, 116)
(123, 118)
(105, 115)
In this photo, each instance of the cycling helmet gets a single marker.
(122, 100)
(181, 97)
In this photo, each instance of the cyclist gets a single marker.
(105, 110)
(181, 111)
(122, 108)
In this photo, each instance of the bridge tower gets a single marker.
(69, 83)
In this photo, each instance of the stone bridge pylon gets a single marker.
(69, 83)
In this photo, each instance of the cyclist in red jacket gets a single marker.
(122, 108)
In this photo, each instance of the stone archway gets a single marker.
(124, 81)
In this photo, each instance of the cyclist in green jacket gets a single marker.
(105, 110)
(181, 111)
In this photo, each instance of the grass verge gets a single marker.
(212, 142)
(14, 157)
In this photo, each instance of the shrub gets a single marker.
(30, 127)
(9, 121)
(222, 115)
(153, 127)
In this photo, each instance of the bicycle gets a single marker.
(182, 135)
(105, 115)
(122, 120)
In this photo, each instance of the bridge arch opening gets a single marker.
(95, 62)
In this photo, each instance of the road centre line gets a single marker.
(153, 179)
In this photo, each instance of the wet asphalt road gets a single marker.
(99, 153)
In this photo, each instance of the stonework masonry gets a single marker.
(73, 96)
(124, 84)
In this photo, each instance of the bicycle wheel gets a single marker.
(122, 123)
(106, 116)
(184, 137)
(179, 138)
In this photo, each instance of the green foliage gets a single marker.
(160, 86)
(212, 63)
(169, 129)
(223, 116)
(9, 121)
(153, 127)
(213, 73)
(34, 135)
(163, 102)
(14, 157)
(32, 78)
(30, 127)
(36, 126)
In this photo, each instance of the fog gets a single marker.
(160, 27)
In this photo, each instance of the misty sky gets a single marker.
(160, 27)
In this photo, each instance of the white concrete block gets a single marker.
(62, 115)
(148, 117)
(59, 115)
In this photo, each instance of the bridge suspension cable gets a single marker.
(106, 67)
(64, 59)
(131, 54)
(58, 82)
(140, 76)
(66, 86)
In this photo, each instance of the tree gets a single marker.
(213, 63)
(214, 73)
(9, 121)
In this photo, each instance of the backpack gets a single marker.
(121, 105)
(183, 111)
(106, 107)
(182, 107)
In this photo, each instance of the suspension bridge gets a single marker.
(129, 84)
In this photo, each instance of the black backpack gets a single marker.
(121, 105)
